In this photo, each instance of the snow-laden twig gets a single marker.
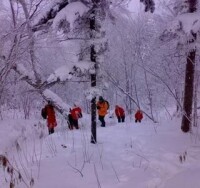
(115, 172)
(115, 83)
(96, 175)
(76, 169)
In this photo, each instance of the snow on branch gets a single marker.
(47, 19)
(183, 27)
(47, 94)
(58, 103)
(61, 74)
(64, 73)
(24, 73)
(93, 92)
(69, 14)
(83, 68)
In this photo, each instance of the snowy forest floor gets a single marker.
(140, 155)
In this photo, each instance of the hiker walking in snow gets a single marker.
(75, 114)
(102, 107)
(138, 116)
(119, 112)
(50, 116)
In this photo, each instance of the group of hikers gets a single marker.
(75, 113)
(102, 107)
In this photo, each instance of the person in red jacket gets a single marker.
(138, 116)
(51, 118)
(75, 114)
(119, 112)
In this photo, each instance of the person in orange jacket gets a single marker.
(119, 112)
(102, 107)
(75, 114)
(138, 116)
(51, 117)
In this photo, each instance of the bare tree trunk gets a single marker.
(189, 80)
(188, 91)
(93, 81)
(195, 101)
(93, 102)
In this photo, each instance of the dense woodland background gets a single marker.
(139, 58)
(143, 67)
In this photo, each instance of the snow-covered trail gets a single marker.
(145, 155)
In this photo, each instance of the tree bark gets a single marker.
(189, 80)
(188, 92)
(93, 113)
(93, 81)
(195, 100)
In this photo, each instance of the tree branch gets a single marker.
(127, 94)
(48, 18)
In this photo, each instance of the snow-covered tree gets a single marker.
(81, 21)
(185, 28)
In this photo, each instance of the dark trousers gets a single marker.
(101, 119)
(75, 123)
(137, 120)
(121, 118)
(72, 122)
(51, 130)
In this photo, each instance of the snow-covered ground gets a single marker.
(140, 155)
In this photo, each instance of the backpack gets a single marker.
(107, 104)
(44, 113)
